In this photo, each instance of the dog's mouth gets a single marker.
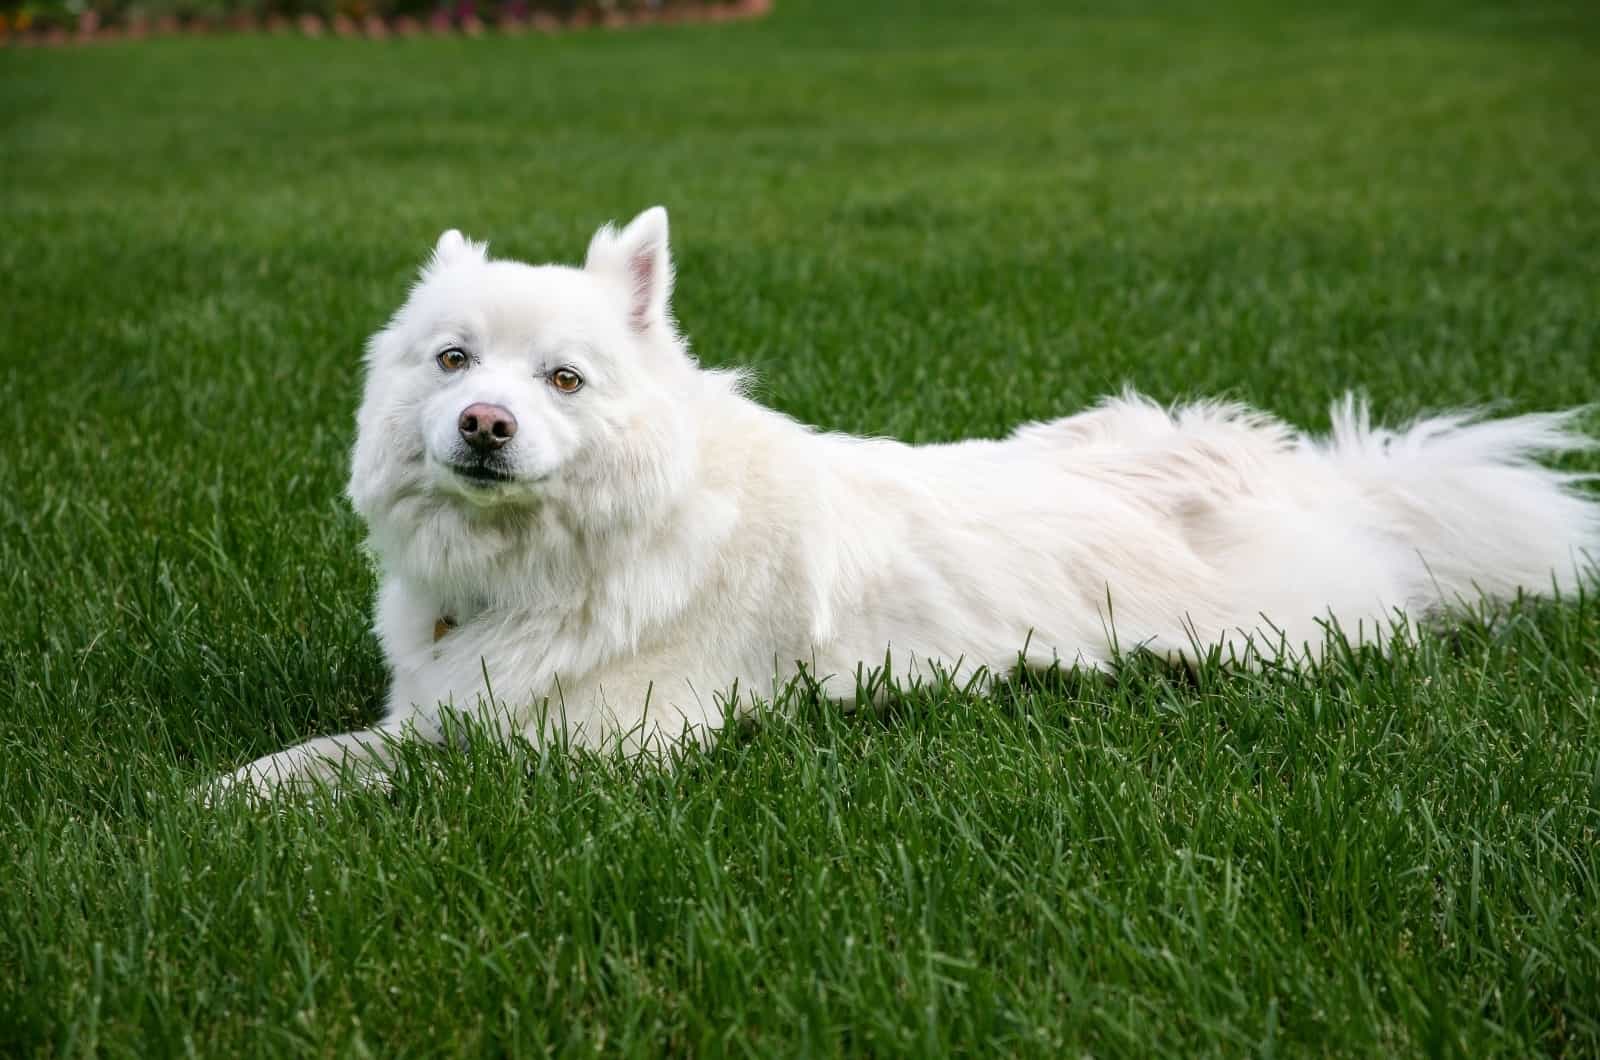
(482, 474)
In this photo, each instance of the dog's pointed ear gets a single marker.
(638, 258)
(454, 248)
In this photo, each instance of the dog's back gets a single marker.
(1209, 524)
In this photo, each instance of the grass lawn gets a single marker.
(929, 226)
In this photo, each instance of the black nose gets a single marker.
(486, 427)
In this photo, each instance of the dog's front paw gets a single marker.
(236, 785)
(299, 771)
(255, 784)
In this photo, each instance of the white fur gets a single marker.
(667, 539)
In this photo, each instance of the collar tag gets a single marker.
(442, 625)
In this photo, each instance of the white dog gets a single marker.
(579, 527)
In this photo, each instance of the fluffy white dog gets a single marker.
(580, 528)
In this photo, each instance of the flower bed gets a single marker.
(71, 21)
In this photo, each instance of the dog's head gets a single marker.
(500, 386)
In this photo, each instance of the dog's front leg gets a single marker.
(365, 756)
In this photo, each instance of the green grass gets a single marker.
(928, 226)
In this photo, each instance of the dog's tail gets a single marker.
(1469, 496)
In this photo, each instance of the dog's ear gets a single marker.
(454, 248)
(638, 258)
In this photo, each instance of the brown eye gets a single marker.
(453, 360)
(566, 380)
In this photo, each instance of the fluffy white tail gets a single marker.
(1469, 497)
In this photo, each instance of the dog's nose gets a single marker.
(486, 427)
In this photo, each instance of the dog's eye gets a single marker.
(453, 360)
(566, 380)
